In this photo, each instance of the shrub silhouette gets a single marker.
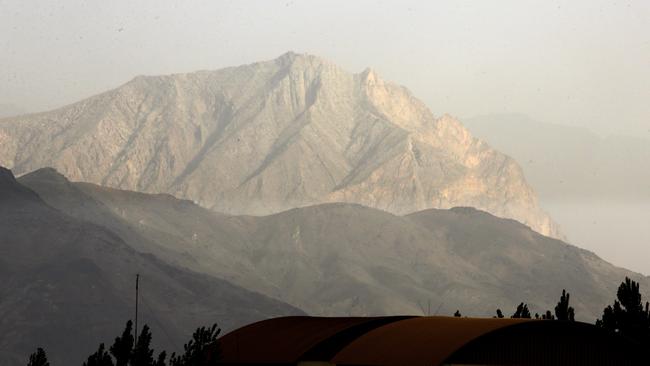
(457, 314)
(38, 358)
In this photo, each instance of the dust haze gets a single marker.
(579, 64)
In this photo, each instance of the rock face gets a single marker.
(66, 285)
(345, 259)
(270, 136)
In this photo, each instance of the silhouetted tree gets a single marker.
(161, 361)
(142, 353)
(499, 314)
(562, 310)
(38, 358)
(197, 350)
(521, 312)
(628, 316)
(123, 346)
(457, 314)
(99, 358)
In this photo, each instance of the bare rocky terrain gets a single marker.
(271, 136)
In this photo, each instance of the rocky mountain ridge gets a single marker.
(270, 136)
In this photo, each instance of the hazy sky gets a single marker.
(575, 62)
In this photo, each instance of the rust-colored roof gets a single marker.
(418, 341)
(423, 341)
(285, 340)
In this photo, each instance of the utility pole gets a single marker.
(137, 281)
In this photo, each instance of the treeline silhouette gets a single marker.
(627, 317)
(202, 350)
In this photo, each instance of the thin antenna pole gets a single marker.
(137, 282)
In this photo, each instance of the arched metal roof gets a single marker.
(424, 341)
(287, 340)
(418, 341)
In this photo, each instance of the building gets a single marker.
(424, 341)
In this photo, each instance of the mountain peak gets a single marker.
(292, 58)
(266, 137)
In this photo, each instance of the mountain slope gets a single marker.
(67, 285)
(338, 259)
(270, 136)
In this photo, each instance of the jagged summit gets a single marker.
(265, 137)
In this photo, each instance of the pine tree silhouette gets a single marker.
(142, 353)
(38, 358)
(562, 310)
(122, 347)
(99, 358)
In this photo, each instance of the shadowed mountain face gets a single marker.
(340, 259)
(67, 284)
(271, 136)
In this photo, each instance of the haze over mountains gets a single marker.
(68, 284)
(339, 259)
(270, 136)
(597, 188)
(354, 177)
(570, 163)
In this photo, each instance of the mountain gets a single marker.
(67, 284)
(270, 136)
(347, 259)
(570, 163)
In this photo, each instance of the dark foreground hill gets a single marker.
(344, 259)
(67, 284)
